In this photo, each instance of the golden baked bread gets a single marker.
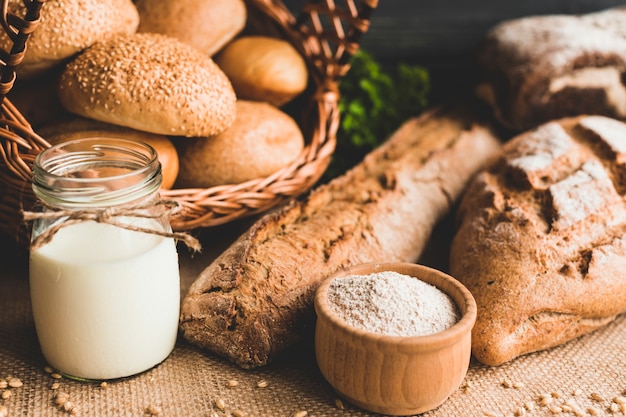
(264, 69)
(79, 127)
(262, 140)
(149, 82)
(256, 299)
(67, 27)
(541, 240)
(207, 25)
(541, 68)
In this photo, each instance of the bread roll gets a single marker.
(206, 25)
(540, 240)
(264, 69)
(66, 27)
(262, 140)
(149, 82)
(78, 127)
(541, 68)
(256, 299)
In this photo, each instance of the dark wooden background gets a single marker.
(442, 35)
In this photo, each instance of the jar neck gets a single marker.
(96, 172)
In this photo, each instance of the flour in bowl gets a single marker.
(392, 304)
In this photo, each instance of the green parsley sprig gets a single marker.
(373, 104)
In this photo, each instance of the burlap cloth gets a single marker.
(196, 383)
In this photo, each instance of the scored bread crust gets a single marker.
(541, 240)
(149, 82)
(540, 68)
(255, 300)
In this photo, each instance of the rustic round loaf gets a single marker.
(262, 140)
(206, 25)
(79, 127)
(66, 27)
(264, 69)
(149, 82)
(540, 240)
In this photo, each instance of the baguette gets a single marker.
(255, 300)
(540, 240)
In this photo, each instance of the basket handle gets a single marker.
(19, 143)
(328, 34)
(18, 30)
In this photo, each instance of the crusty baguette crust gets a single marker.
(255, 299)
(541, 240)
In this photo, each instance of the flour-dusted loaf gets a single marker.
(541, 238)
(542, 68)
(256, 299)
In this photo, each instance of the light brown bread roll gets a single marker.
(67, 27)
(207, 25)
(256, 299)
(540, 240)
(149, 82)
(264, 69)
(262, 140)
(78, 128)
(542, 68)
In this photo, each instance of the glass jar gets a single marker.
(105, 282)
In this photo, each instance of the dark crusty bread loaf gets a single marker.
(541, 240)
(542, 68)
(256, 299)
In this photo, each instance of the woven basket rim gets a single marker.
(327, 53)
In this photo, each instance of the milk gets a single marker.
(105, 300)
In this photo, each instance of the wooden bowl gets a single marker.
(394, 375)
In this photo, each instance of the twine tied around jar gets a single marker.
(108, 215)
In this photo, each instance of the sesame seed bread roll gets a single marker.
(67, 27)
(206, 25)
(149, 82)
(262, 140)
(80, 127)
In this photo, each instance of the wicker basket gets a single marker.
(327, 35)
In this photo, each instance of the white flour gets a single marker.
(392, 304)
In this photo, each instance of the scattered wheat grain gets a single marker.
(262, 383)
(6, 395)
(301, 413)
(596, 397)
(219, 403)
(153, 410)
(339, 404)
(593, 411)
(15, 383)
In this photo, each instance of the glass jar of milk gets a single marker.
(105, 297)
